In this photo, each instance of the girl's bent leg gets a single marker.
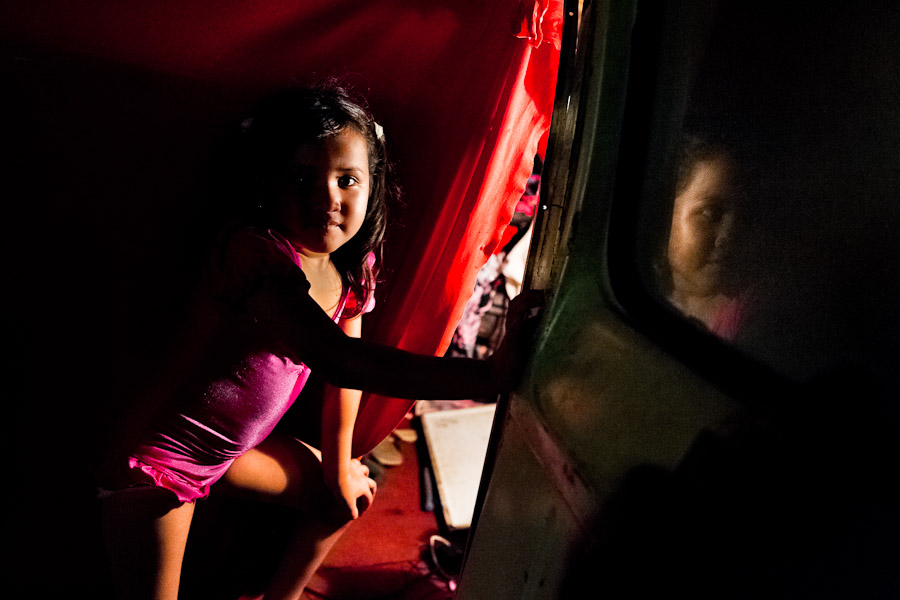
(313, 539)
(285, 471)
(145, 530)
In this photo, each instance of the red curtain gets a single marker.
(490, 118)
(464, 91)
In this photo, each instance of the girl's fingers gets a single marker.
(369, 492)
(365, 500)
(359, 465)
(527, 304)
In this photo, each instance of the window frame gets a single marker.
(656, 98)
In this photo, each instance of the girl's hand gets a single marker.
(509, 360)
(352, 487)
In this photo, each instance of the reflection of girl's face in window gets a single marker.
(702, 225)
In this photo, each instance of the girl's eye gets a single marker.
(712, 213)
(347, 181)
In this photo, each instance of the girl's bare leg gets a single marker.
(146, 531)
(285, 471)
(312, 541)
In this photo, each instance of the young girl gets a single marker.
(284, 293)
(703, 267)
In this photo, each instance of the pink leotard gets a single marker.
(242, 385)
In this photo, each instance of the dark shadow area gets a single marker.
(800, 508)
(101, 247)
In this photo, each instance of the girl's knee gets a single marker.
(327, 508)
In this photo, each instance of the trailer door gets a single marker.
(711, 406)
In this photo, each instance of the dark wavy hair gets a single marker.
(290, 117)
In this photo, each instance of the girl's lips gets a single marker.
(322, 222)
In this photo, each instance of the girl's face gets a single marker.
(702, 226)
(321, 204)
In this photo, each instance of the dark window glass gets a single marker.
(779, 228)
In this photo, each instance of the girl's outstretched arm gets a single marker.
(284, 307)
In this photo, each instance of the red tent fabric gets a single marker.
(482, 177)
(464, 91)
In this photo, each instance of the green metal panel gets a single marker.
(524, 526)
